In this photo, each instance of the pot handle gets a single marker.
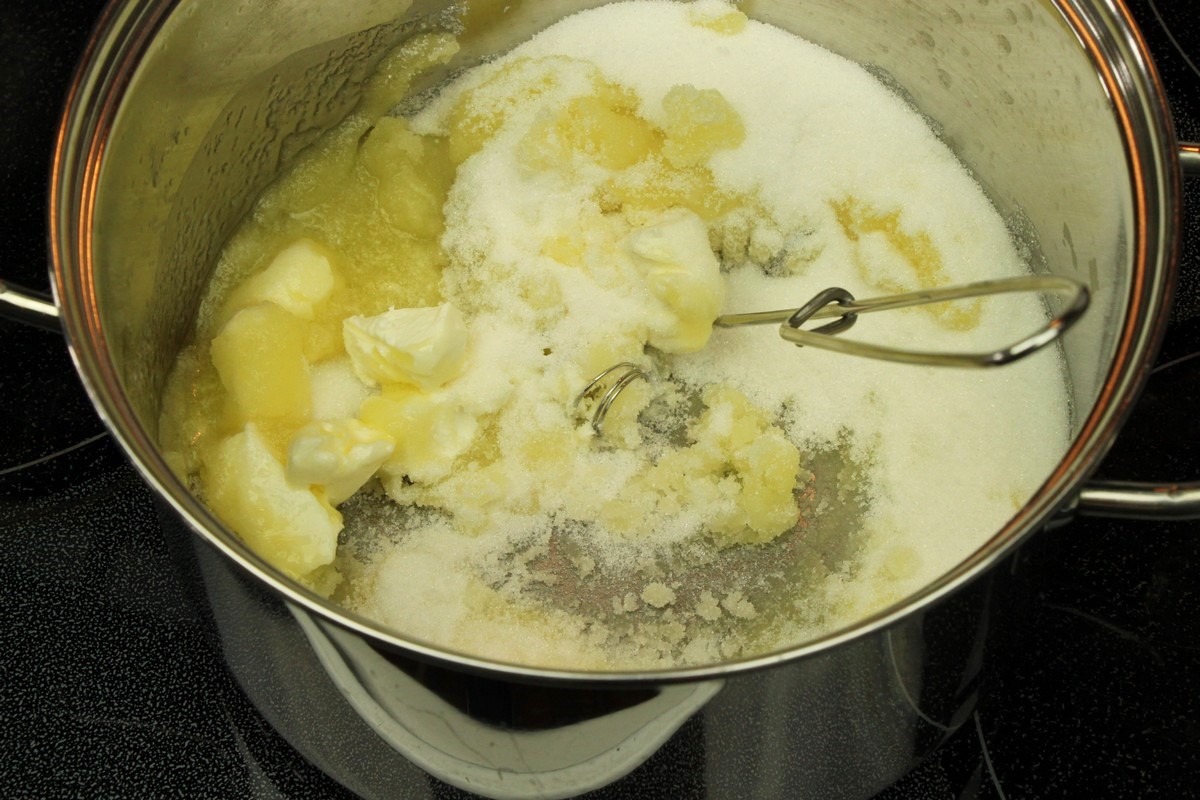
(29, 307)
(1134, 500)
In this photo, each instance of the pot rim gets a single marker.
(1123, 66)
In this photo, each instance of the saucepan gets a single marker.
(182, 111)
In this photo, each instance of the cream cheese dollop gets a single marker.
(424, 347)
(299, 278)
(430, 430)
(681, 270)
(338, 455)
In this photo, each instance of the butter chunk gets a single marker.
(259, 356)
(699, 123)
(604, 126)
(678, 264)
(658, 595)
(297, 280)
(339, 455)
(290, 527)
(430, 432)
(768, 468)
(412, 175)
(718, 17)
(424, 347)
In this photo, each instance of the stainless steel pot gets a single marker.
(182, 111)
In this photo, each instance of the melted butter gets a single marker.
(916, 251)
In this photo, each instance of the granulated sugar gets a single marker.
(597, 196)
(931, 463)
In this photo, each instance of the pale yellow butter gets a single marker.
(681, 270)
(424, 347)
(339, 455)
(297, 280)
(290, 527)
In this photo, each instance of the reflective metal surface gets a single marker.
(183, 111)
(846, 724)
(28, 307)
(838, 303)
(1065, 129)
(842, 306)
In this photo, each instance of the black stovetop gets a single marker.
(111, 686)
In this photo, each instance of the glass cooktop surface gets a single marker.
(113, 686)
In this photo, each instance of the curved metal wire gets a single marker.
(841, 305)
(830, 303)
(632, 372)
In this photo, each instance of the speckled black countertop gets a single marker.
(111, 686)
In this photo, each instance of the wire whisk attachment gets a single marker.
(626, 373)
(839, 304)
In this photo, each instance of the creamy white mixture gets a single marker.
(622, 178)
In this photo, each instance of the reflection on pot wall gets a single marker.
(497, 738)
(222, 101)
(845, 724)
